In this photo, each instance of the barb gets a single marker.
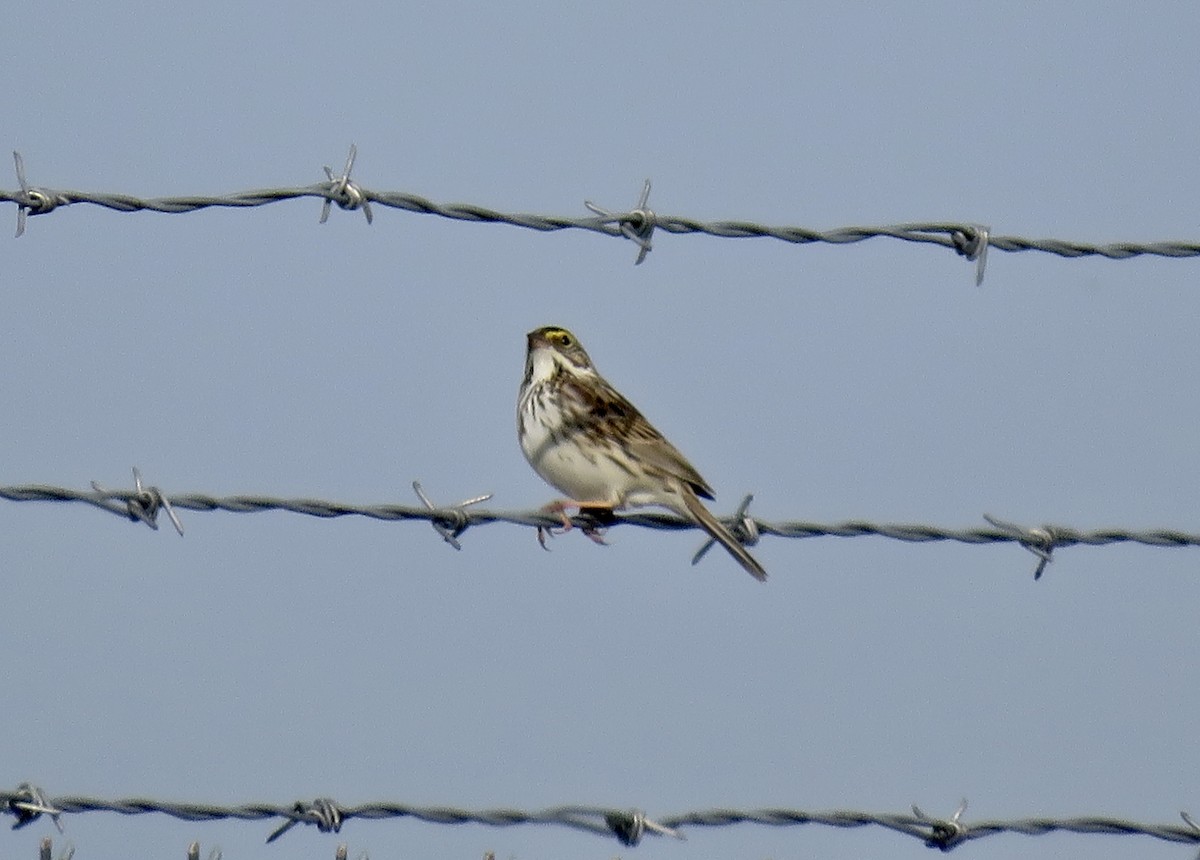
(346, 193)
(30, 804)
(968, 239)
(744, 529)
(451, 522)
(944, 833)
(629, 826)
(1041, 540)
(1191, 823)
(144, 503)
(637, 225)
(324, 812)
(34, 201)
(973, 245)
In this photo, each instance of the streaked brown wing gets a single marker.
(614, 416)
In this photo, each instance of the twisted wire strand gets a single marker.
(451, 522)
(626, 825)
(957, 236)
(929, 829)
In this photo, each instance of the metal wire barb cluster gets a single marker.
(143, 503)
(638, 224)
(28, 802)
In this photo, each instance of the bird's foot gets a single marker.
(602, 517)
(600, 514)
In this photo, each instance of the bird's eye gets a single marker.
(564, 339)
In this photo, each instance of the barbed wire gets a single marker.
(628, 826)
(638, 224)
(143, 503)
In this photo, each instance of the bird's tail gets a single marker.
(703, 517)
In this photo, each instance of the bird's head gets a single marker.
(552, 348)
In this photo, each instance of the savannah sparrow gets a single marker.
(592, 444)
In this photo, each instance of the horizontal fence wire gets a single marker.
(28, 803)
(970, 240)
(143, 504)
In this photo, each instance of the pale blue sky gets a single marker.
(275, 657)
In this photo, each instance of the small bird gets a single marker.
(590, 443)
